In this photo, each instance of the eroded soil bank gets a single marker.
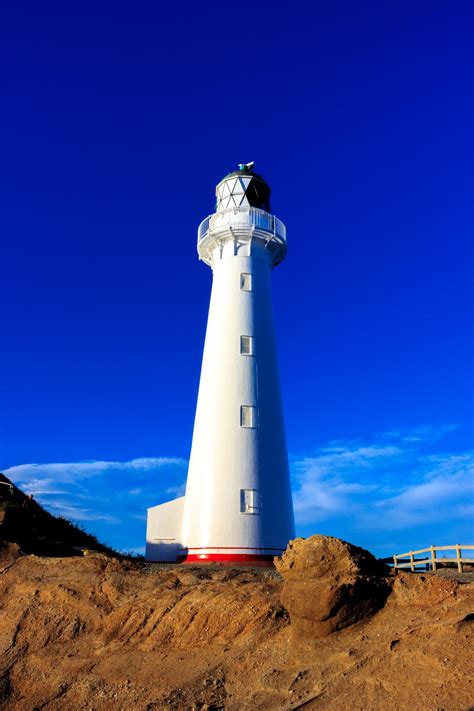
(101, 633)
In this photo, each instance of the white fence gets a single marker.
(431, 560)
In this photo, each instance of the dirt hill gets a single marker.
(332, 630)
(24, 521)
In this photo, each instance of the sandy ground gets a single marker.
(98, 633)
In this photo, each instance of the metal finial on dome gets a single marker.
(247, 166)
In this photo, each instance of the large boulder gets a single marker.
(329, 584)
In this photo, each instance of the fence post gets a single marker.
(412, 564)
(458, 557)
(433, 558)
(394, 562)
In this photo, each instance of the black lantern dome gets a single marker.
(243, 188)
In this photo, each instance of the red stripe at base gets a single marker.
(262, 561)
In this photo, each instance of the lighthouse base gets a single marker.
(165, 543)
(236, 556)
(257, 561)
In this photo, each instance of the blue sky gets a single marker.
(117, 123)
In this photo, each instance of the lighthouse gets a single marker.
(237, 506)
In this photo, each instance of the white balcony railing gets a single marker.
(242, 217)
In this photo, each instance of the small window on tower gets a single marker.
(246, 345)
(247, 416)
(250, 501)
(246, 282)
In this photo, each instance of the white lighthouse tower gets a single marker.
(238, 506)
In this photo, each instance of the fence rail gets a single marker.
(432, 560)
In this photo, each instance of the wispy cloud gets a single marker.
(372, 491)
(79, 513)
(439, 490)
(176, 491)
(423, 434)
(104, 493)
(73, 471)
(332, 481)
(390, 483)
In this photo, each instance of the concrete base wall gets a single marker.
(163, 531)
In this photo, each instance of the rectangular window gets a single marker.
(250, 501)
(246, 345)
(246, 282)
(247, 416)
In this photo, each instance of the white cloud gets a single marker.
(425, 433)
(42, 487)
(389, 484)
(95, 491)
(331, 482)
(71, 472)
(446, 484)
(77, 513)
(139, 517)
(393, 482)
(176, 491)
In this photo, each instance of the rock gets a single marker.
(329, 584)
(421, 590)
(9, 553)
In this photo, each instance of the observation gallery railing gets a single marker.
(242, 217)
